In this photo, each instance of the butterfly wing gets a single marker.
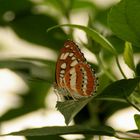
(70, 55)
(80, 80)
(74, 76)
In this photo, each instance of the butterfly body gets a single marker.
(74, 76)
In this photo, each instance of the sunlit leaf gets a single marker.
(119, 90)
(70, 108)
(128, 56)
(129, 135)
(49, 137)
(137, 120)
(63, 130)
(93, 34)
(124, 20)
(80, 4)
(57, 5)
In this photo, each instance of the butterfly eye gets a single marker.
(73, 73)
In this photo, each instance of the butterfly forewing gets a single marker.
(73, 74)
(70, 55)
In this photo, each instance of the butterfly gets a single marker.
(74, 76)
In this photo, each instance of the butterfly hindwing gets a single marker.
(80, 80)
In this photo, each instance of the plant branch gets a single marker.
(127, 135)
(119, 66)
(128, 100)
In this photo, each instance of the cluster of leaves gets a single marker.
(32, 25)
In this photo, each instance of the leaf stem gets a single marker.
(119, 66)
(128, 100)
(93, 34)
(125, 135)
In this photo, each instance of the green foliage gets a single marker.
(137, 120)
(120, 37)
(128, 56)
(70, 108)
(119, 90)
(93, 34)
(61, 130)
(48, 137)
(124, 20)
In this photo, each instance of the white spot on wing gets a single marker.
(72, 71)
(62, 71)
(73, 79)
(73, 83)
(62, 75)
(73, 58)
(85, 81)
(61, 80)
(63, 66)
(71, 54)
(84, 88)
(67, 46)
(64, 55)
(85, 76)
(74, 63)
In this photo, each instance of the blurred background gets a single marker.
(28, 55)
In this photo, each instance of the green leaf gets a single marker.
(70, 108)
(63, 130)
(81, 4)
(137, 120)
(124, 20)
(30, 26)
(138, 69)
(31, 70)
(119, 90)
(129, 135)
(49, 137)
(8, 7)
(36, 33)
(128, 56)
(117, 43)
(93, 34)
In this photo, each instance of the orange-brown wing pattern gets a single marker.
(73, 73)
